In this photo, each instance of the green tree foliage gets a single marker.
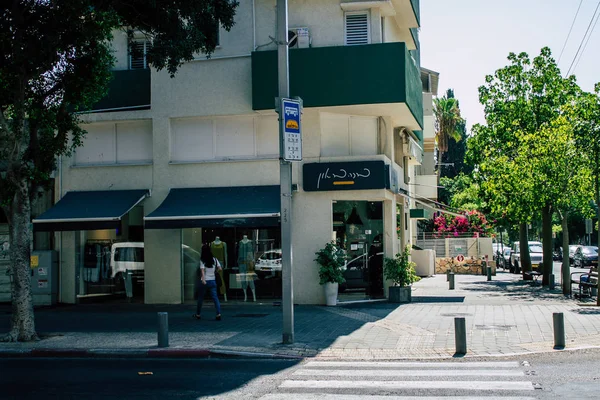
(56, 60)
(521, 102)
(464, 193)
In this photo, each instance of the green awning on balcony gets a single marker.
(246, 206)
(78, 211)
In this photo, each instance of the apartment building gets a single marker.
(177, 162)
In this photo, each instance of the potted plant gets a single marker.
(401, 272)
(331, 264)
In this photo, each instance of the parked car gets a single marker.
(504, 259)
(268, 264)
(572, 249)
(498, 251)
(535, 253)
(585, 256)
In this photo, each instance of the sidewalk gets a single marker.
(505, 316)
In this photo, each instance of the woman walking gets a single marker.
(206, 280)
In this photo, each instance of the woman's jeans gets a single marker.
(211, 286)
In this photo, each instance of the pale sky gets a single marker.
(465, 40)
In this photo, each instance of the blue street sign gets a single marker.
(291, 111)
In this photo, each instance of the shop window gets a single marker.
(251, 260)
(346, 135)
(116, 143)
(221, 139)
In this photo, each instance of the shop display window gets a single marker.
(251, 260)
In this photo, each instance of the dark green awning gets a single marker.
(89, 210)
(244, 206)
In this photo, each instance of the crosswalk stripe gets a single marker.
(394, 364)
(326, 396)
(397, 385)
(407, 372)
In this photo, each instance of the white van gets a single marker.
(126, 256)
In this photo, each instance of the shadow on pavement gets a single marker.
(517, 290)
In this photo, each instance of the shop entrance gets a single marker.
(358, 229)
(251, 259)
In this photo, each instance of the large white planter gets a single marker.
(331, 293)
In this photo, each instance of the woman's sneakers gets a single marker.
(218, 317)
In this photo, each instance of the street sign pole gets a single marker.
(285, 176)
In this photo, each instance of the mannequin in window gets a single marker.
(246, 265)
(219, 250)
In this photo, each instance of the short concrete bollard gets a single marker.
(460, 335)
(489, 272)
(558, 320)
(552, 282)
(163, 329)
(451, 280)
(128, 285)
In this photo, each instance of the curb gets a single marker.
(138, 353)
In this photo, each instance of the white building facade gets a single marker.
(176, 162)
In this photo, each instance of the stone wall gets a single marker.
(470, 266)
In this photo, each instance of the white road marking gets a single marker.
(395, 364)
(400, 385)
(373, 373)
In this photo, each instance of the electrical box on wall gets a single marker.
(299, 38)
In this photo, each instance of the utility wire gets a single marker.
(586, 43)
(583, 39)
(569, 34)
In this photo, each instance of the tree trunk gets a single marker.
(524, 249)
(22, 320)
(547, 244)
(566, 263)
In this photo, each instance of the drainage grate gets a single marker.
(250, 315)
(494, 327)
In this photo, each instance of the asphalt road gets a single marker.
(568, 374)
(81, 379)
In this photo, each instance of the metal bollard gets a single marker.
(451, 280)
(128, 285)
(163, 329)
(448, 274)
(460, 335)
(552, 282)
(489, 272)
(559, 330)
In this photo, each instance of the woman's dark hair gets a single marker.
(206, 256)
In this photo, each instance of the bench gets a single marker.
(586, 281)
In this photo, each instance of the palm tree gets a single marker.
(447, 121)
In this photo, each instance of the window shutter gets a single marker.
(137, 54)
(357, 28)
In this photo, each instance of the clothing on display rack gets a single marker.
(219, 250)
(96, 261)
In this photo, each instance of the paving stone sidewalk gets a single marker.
(505, 316)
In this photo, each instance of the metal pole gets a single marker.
(163, 329)
(451, 280)
(559, 330)
(552, 281)
(285, 176)
(460, 335)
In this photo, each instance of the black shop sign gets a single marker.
(359, 175)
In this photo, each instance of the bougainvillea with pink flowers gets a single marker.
(473, 222)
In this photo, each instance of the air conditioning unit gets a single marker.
(299, 38)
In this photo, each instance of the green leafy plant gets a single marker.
(399, 269)
(331, 263)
